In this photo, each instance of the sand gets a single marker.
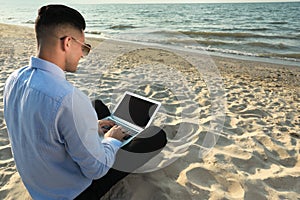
(233, 125)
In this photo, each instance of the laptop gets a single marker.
(134, 113)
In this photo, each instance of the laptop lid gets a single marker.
(136, 111)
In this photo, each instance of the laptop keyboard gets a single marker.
(126, 130)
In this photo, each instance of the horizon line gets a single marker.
(229, 2)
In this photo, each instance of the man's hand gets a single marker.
(104, 126)
(108, 128)
(115, 132)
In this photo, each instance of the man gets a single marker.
(53, 127)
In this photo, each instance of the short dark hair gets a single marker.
(54, 15)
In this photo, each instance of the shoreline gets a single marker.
(270, 60)
(257, 149)
(275, 61)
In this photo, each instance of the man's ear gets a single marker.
(66, 44)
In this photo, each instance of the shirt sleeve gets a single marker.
(78, 130)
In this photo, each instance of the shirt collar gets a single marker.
(46, 66)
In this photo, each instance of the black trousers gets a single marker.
(148, 143)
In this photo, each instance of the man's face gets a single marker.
(76, 52)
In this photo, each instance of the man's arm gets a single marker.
(77, 125)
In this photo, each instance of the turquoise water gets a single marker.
(254, 30)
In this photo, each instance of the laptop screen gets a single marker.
(135, 110)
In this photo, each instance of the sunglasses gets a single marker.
(86, 48)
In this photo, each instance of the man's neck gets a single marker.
(51, 56)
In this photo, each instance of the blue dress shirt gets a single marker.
(53, 132)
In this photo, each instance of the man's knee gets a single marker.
(101, 109)
(151, 139)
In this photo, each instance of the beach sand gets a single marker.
(256, 155)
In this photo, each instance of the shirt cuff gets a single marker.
(113, 141)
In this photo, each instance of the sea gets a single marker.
(256, 31)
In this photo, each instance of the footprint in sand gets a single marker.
(235, 190)
(237, 108)
(255, 113)
(201, 177)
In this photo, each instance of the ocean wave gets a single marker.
(257, 29)
(278, 22)
(246, 29)
(218, 34)
(288, 56)
(295, 57)
(235, 35)
(166, 33)
(122, 27)
(195, 34)
(230, 51)
(29, 22)
(268, 45)
(212, 42)
(93, 32)
(189, 41)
